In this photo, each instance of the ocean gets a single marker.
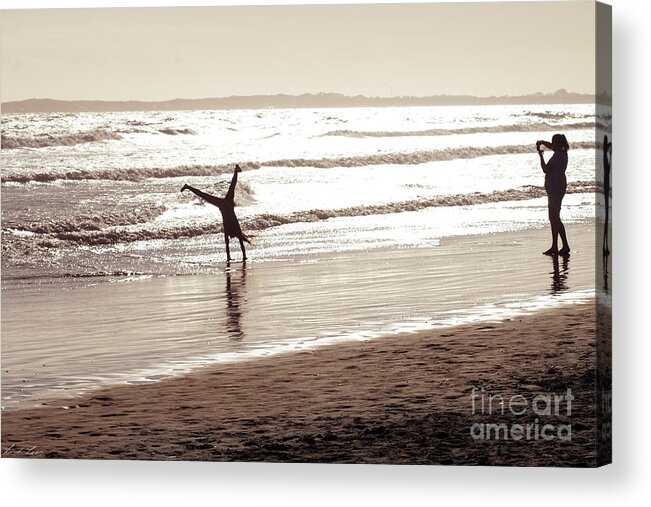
(92, 201)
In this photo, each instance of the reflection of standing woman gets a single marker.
(555, 184)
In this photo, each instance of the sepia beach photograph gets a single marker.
(320, 233)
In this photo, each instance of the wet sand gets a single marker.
(405, 399)
(61, 337)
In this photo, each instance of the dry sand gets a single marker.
(403, 399)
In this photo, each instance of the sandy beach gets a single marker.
(402, 397)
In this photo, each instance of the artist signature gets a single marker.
(12, 450)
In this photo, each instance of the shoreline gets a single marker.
(70, 337)
(584, 230)
(403, 399)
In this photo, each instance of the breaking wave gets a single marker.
(532, 127)
(550, 115)
(176, 132)
(128, 174)
(42, 141)
(65, 234)
(87, 222)
(393, 158)
(413, 158)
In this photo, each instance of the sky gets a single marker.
(375, 50)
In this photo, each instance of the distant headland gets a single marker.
(281, 101)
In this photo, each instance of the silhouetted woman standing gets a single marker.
(555, 185)
(226, 205)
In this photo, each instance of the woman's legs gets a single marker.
(558, 229)
(554, 219)
(554, 203)
(566, 246)
(561, 230)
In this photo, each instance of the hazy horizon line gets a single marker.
(287, 101)
(559, 92)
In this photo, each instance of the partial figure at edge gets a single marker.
(226, 205)
(556, 186)
(608, 150)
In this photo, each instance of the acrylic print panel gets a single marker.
(307, 233)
